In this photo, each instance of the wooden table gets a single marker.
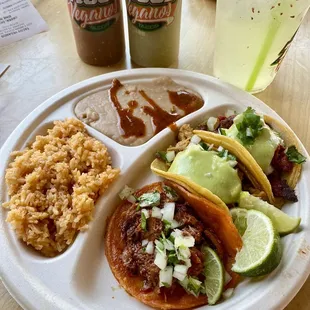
(44, 64)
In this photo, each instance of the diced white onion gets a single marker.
(233, 163)
(248, 132)
(132, 199)
(176, 233)
(179, 276)
(195, 139)
(227, 277)
(150, 248)
(269, 170)
(145, 242)
(188, 262)
(126, 192)
(165, 276)
(228, 293)
(168, 211)
(230, 113)
(220, 148)
(186, 241)
(183, 253)
(208, 174)
(184, 282)
(160, 260)
(211, 123)
(175, 224)
(181, 269)
(225, 154)
(146, 213)
(210, 147)
(168, 245)
(156, 212)
(170, 155)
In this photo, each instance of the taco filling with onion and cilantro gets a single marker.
(263, 144)
(171, 249)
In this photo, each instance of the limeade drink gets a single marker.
(252, 38)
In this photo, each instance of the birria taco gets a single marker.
(262, 144)
(157, 244)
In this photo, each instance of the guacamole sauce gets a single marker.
(264, 146)
(208, 170)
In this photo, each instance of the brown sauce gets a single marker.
(174, 127)
(161, 118)
(134, 126)
(132, 104)
(131, 125)
(185, 101)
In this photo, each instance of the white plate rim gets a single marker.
(25, 296)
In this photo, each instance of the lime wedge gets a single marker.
(214, 273)
(239, 217)
(262, 250)
(283, 223)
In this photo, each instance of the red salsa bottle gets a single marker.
(98, 30)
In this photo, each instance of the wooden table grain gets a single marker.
(43, 65)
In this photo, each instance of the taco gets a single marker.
(142, 249)
(207, 170)
(262, 144)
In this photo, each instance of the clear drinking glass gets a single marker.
(252, 38)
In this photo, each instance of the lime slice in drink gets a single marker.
(262, 249)
(239, 217)
(283, 223)
(214, 273)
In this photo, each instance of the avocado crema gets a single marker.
(208, 170)
(264, 146)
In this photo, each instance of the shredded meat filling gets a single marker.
(280, 160)
(280, 187)
(226, 122)
(138, 262)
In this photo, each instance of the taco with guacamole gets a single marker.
(209, 170)
(262, 144)
(171, 249)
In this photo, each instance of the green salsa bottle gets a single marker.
(154, 31)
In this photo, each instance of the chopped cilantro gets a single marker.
(231, 157)
(165, 284)
(149, 199)
(204, 145)
(143, 221)
(294, 156)
(160, 247)
(250, 126)
(222, 132)
(194, 285)
(223, 153)
(161, 155)
(171, 238)
(173, 258)
(167, 226)
(171, 194)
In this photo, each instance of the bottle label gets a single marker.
(150, 15)
(94, 15)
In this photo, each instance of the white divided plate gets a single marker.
(80, 278)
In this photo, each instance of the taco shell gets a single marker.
(211, 215)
